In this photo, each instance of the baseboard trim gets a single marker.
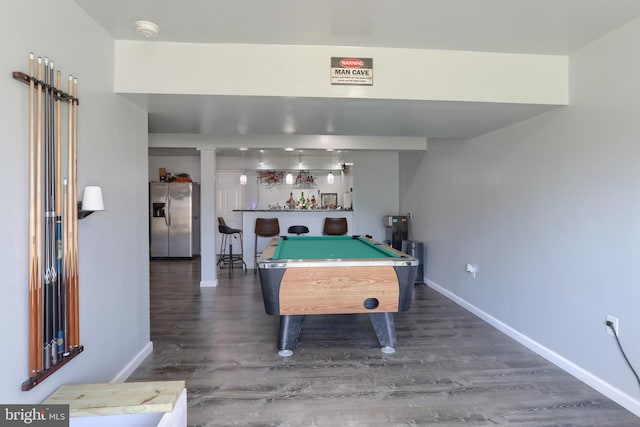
(580, 373)
(208, 283)
(133, 364)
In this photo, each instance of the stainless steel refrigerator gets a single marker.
(175, 219)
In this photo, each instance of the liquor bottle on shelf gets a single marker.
(291, 203)
(301, 201)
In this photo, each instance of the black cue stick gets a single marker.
(59, 247)
(46, 355)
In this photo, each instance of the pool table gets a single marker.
(303, 275)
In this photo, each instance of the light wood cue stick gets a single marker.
(65, 266)
(76, 296)
(34, 274)
(68, 228)
(38, 221)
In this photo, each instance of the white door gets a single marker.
(229, 194)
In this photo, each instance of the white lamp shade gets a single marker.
(330, 178)
(92, 199)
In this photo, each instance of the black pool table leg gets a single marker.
(290, 326)
(385, 330)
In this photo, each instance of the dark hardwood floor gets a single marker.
(450, 367)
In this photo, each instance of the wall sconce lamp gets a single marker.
(91, 201)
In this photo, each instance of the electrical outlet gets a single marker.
(409, 214)
(616, 324)
(473, 269)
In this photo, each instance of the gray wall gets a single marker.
(549, 209)
(112, 153)
(375, 191)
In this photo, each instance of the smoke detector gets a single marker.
(147, 28)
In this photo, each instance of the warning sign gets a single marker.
(352, 71)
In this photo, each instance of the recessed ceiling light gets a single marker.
(147, 28)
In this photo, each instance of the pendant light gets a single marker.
(243, 177)
(330, 177)
(289, 178)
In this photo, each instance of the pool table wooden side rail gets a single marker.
(339, 290)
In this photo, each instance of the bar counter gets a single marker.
(293, 210)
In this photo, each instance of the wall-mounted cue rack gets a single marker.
(54, 326)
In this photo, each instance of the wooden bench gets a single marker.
(159, 403)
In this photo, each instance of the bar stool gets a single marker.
(335, 227)
(265, 227)
(298, 229)
(229, 259)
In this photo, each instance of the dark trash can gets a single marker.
(416, 250)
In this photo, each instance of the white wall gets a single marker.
(112, 153)
(158, 67)
(549, 209)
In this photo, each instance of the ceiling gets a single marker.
(518, 26)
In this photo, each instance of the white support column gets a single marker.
(208, 223)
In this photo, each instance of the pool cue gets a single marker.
(34, 266)
(47, 230)
(72, 212)
(52, 218)
(38, 224)
(51, 223)
(60, 286)
(68, 229)
(65, 266)
(74, 223)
